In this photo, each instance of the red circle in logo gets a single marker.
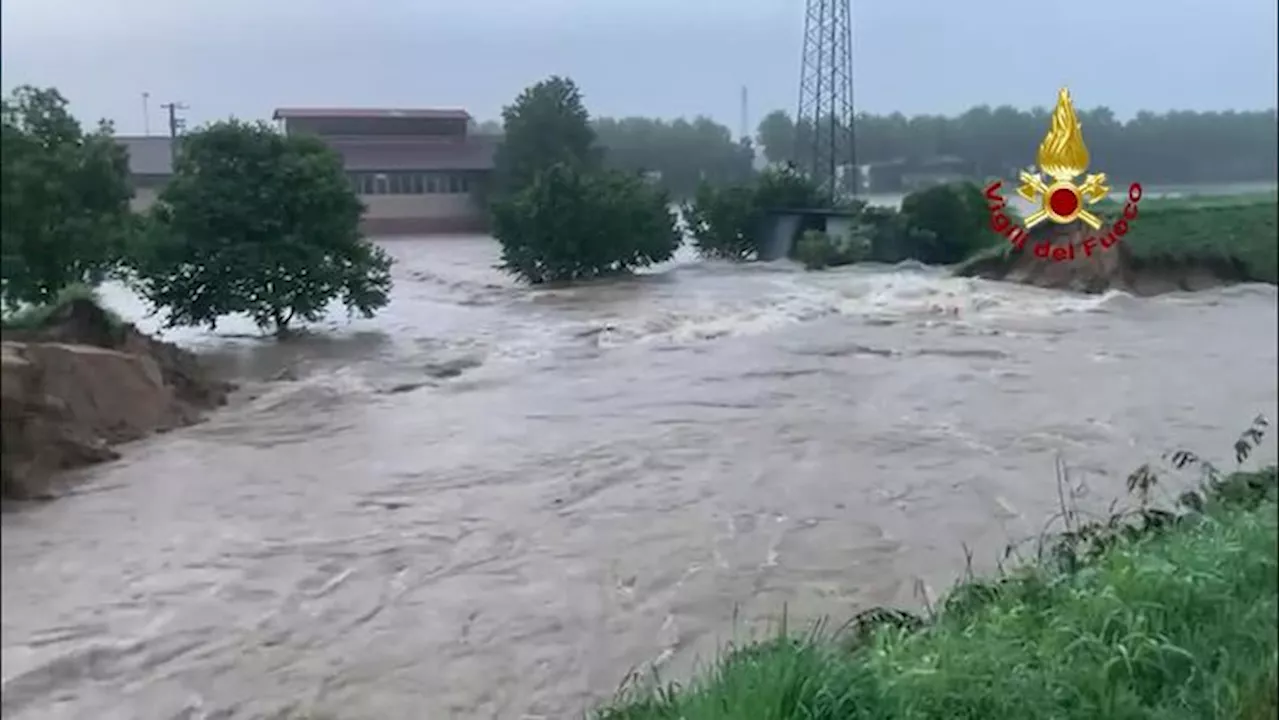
(1063, 202)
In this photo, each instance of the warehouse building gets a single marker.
(418, 172)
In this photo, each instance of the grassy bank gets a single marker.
(1234, 236)
(1228, 237)
(1174, 617)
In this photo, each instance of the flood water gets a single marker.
(494, 502)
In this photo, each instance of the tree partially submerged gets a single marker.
(64, 196)
(259, 223)
(571, 225)
(956, 216)
(558, 215)
(725, 222)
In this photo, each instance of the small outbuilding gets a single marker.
(781, 227)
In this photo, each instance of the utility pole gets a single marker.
(146, 114)
(176, 124)
(744, 129)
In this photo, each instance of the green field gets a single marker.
(1174, 624)
(1236, 236)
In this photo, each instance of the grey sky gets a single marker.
(631, 57)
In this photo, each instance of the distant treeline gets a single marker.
(1179, 147)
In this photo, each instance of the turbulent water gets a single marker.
(494, 502)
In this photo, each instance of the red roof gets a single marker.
(425, 114)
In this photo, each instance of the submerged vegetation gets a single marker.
(1154, 613)
(941, 224)
(559, 214)
(253, 222)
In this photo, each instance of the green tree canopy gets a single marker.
(726, 222)
(677, 154)
(680, 154)
(560, 215)
(64, 195)
(546, 125)
(570, 224)
(259, 223)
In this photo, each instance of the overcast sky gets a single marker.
(631, 57)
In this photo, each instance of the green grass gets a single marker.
(1235, 237)
(1232, 235)
(1167, 625)
(34, 317)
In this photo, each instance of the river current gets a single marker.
(495, 502)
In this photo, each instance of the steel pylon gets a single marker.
(824, 119)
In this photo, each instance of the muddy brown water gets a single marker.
(492, 502)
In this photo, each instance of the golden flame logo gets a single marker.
(1063, 156)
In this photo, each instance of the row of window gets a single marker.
(409, 183)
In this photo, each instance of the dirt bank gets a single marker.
(1114, 268)
(84, 382)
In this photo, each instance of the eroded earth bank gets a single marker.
(83, 383)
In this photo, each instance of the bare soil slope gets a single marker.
(85, 382)
(1113, 268)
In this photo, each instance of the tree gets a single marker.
(957, 218)
(260, 223)
(546, 125)
(1171, 148)
(725, 222)
(572, 224)
(777, 136)
(64, 195)
(680, 154)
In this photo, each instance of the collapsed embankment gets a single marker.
(83, 382)
(1170, 246)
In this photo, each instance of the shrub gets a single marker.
(956, 215)
(788, 188)
(64, 195)
(725, 222)
(259, 223)
(890, 235)
(817, 250)
(571, 225)
(35, 317)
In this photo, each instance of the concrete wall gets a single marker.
(436, 205)
(421, 214)
(395, 214)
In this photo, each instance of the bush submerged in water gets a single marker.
(817, 250)
(950, 223)
(725, 222)
(573, 225)
(939, 225)
(558, 215)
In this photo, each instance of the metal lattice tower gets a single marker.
(824, 119)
